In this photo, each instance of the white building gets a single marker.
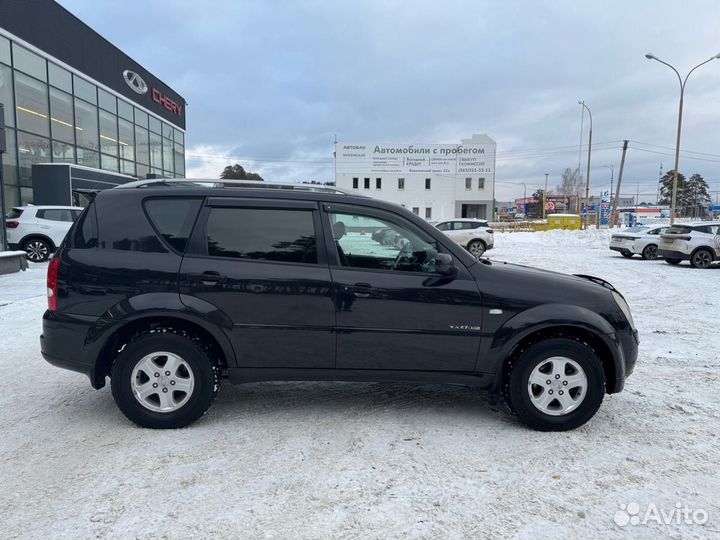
(436, 181)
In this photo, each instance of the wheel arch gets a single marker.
(108, 336)
(703, 248)
(38, 236)
(611, 364)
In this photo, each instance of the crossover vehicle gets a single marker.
(475, 235)
(698, 243)
(641, 240)
(171, 287)
(38, 230)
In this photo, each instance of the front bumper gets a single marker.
(628, 343)
(672, 254)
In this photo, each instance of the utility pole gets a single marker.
(617, 188)
(545, 198)
(587, 179)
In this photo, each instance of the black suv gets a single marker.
(169, 287)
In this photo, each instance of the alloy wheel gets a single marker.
(36, 250)
(557, 386)
(162, 382)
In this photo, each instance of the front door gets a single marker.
(393, 310)
(259, 263)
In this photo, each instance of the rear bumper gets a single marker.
(671, 254)
(63, 344)
(621, 249)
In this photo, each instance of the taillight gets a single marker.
(490, 231)
(12, 224)
(52, 283)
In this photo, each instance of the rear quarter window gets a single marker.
(173, 219)
(14, 213)
(84, 233)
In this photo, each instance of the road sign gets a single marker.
(550, 205)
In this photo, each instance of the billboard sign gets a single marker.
(605, 209)
(449, 159)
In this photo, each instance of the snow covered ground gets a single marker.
(322, 460)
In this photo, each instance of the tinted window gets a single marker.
(258, 233)
(14, 213)
(84, 232)
(173, 219)
(56, 214)
(444, 226)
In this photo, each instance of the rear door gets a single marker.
(259, 263)
(54, 223)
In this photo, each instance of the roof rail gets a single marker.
(221, 183)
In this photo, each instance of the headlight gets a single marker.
(623, 305)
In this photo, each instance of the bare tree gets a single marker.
(570, 182)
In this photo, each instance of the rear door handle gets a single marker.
(208, 278)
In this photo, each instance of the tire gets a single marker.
(476, 248)
(192, 385)
(37, 249)
(672, 261)
(626, 254)
(561, 360)
(702, 258)
(650, 252)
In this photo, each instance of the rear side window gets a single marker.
(679, 229)
(84, 234)
(14, 213)
(173, 219)
(56, 214)
(260, 233)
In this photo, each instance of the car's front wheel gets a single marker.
(37, 249)
(476, 247)
(163, 379)
(556, 385)
(702, 258)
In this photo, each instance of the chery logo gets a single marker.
(161, 99)
(135, 81)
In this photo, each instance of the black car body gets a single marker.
(211, 264)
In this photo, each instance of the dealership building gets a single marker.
(435, 181)
(74, 100)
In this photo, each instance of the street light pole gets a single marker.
(682, 82)
(587, 179)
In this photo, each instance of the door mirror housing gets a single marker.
(445, 266)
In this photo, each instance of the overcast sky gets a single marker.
(270, 83)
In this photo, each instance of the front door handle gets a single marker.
(362, 290)
(208, 278)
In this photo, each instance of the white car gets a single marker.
(475, 235)
(641, 240)
(699, 243)
(38, 230)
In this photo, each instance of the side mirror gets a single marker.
(445, 266)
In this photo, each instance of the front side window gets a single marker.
(381, 244)
(262, 234)
(444, 226)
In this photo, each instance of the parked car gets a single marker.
(38, 230)
(475, 235)
(699, 243)
(641, 240)
(170, 287)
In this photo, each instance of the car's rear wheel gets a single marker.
(702, 258)
(650, 252)
(37, 249)
(556, 385)
(626, 254)
(672, 261)
(476, 247)
(163, 379)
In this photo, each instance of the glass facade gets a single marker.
(53, 115)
